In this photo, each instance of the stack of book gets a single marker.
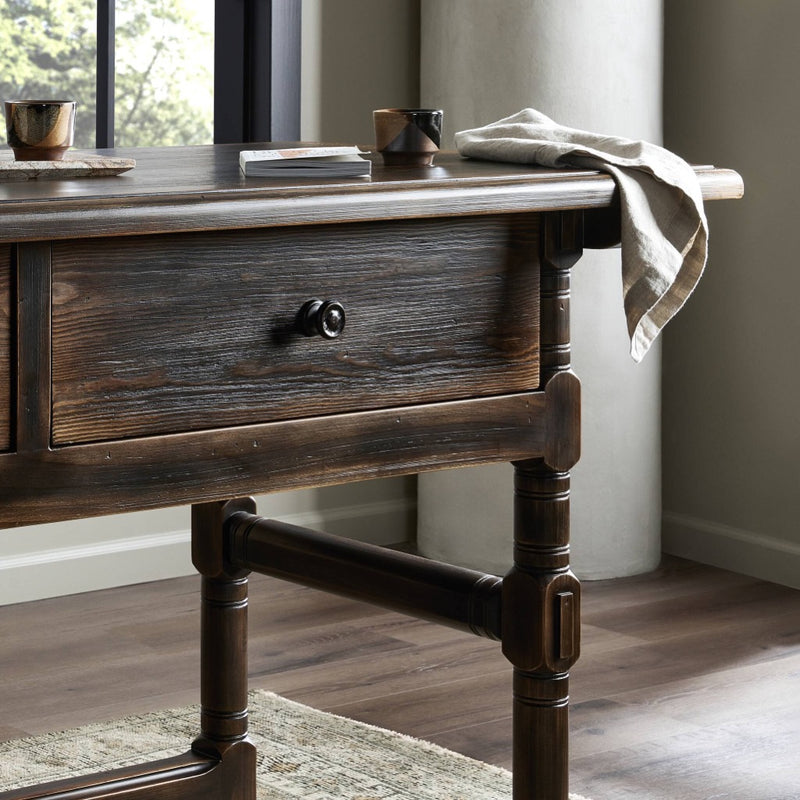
(305, 162)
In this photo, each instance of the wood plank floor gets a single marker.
(688, 686)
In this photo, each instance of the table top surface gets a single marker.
(201, 188)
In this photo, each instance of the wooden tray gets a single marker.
(73, 166)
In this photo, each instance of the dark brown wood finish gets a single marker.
(561, 246)
(541, 630)
(201, 188)
(152, 362)
(223, 649)
(5, 347)
(89, 480)
(541, 596)
(192, 332)
(421, 587)
(179, 778)
(33, 362)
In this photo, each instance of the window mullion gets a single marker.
(256, 70)
(104, 136)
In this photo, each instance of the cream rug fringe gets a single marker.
(302, 753)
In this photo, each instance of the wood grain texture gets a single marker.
(33, 347)
(5, 346)
(176, 333)
(561, 248)
(421, 587)
(541, 630)
(179, 778)
(197, 188)
(92, 479)
(563, 421)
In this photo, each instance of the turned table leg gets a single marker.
(541, 624)
(223, 671)
(541, 597)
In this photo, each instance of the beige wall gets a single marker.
(731, 376)
(593, 64)
(358, 55)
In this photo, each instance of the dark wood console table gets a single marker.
(181, 335)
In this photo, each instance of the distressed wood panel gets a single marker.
(5, 347)
(177, 333)
(151, 472)
(196, 188)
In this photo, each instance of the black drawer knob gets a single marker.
(324, 318)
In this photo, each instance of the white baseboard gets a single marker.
(746, 552)
(61, 570)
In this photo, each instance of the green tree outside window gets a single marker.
(164, 79)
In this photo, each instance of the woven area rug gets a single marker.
(302, 753)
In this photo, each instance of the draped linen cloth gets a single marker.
(664, 232)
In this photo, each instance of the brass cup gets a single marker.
(40, 130)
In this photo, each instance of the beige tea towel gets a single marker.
(664, 229)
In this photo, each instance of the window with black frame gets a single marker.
(158, 72)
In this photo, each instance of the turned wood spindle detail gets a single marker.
(541, 630)
(541, 597)
(223, 647)
(561, 247)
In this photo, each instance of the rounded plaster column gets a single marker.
(596, 65)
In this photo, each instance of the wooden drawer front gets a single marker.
(5, 347)
(186, 332)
